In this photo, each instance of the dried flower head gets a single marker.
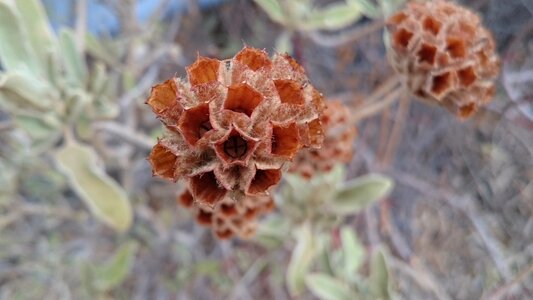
(234, 124)
(339, 135)
(229, 218)
(445, 54)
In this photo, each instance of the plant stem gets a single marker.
(373, 107)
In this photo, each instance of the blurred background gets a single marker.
(81, 216)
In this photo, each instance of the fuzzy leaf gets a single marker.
(15, 50)
(41, 38)
(104, 197)
(379, 277)
(366, 7)
(327, 287)
(273, 9)
(39, 127)
(21, 90)
(334, 16)
(114, 272)
(301, 259)
(75, 66)
(353, 251)
(359, 193)
(390, 6)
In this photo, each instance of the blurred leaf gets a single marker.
(273, 9)
(389, 7)
(75, 66)
(359, 193)
(301, 259)
(41, 38)
(22, 90)
(272, 231)
(96, 48)
(98, 79)
(353, 251)
(207, 267)
(38, 127)
(379, 277)
(326, 287)
(15, 50)
(283, 42)
(332, 17)
(105, 198)
(366, 7)
(114, 272)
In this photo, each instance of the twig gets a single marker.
(142, 141)
(81, 23)
(142, 87)
(398, 128)
(248, 277)
(345, 37)
(35, 209)
(420, 276)
(464, 204)
(376, 107)
(501, 291)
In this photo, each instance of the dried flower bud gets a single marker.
(229, 218)
(445, 54)
(234, 124)
(339, 135)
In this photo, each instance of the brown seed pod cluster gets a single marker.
(339, 134)
(234, 124)
(229, 218)
(445, 54)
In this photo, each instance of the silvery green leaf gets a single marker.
(272, 231)
(366, 7)
(111, 274)
(105, 198)
(283, 42)
(23, 91)
(273, 9)
(41, 38)
(15, 50)
(38, 127)
(389, 7)
(301, 259)
(327, 287)
(379, 277)
(75, 66)
(359, 193)
(353, 251)
(332, 17)
(99, 79)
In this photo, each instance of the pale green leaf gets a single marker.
(353, 251)
(41, 38)
(272, 231)
(332, 17)
(359, 193)
(22, 90)
(15, 49)
(390, 6)
(75, 66)
(301, 259)
(366, 7)
(379, 277)
(116, 269)
(284, 43)
(327, 287)
(38, 127)
(273, 9)
(104, 197)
